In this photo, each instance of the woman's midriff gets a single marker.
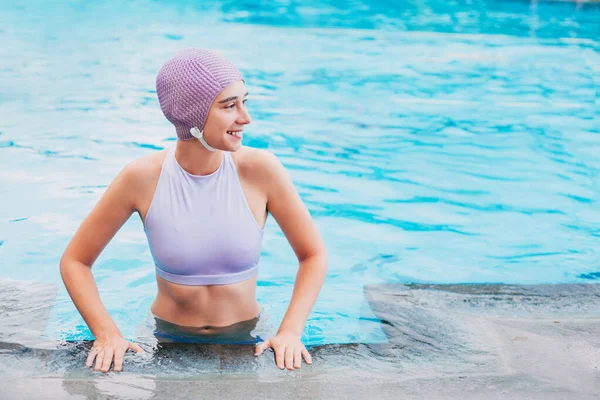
(207, 307)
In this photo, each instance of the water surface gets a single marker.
(433, 142)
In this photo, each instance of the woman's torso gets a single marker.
(206, 305)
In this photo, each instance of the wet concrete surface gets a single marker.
(444, 341)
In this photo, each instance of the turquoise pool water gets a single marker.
(432, 141)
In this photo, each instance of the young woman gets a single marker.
(204, 205)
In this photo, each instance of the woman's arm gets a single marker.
(286, 206)
(97, 229)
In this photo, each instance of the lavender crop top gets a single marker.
(200, 228)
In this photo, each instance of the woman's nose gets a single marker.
(245, 117)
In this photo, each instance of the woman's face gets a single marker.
(227, 118)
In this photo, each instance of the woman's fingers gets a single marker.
(297, 358)
(120, 354)
(307, 356)
(99, 359)
(119, 361)
(135, 347)
(285, 357)
(108, 358)
(106, 355)
(261, 347)
(289, 358)
(279, 357)
(91, 356)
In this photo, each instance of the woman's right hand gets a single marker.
(109, 349)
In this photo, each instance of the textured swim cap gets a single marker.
(188, 84)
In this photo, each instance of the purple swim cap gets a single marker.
(188, 84)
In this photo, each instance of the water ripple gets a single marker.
(431, 141)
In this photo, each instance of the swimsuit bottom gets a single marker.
(252, 331)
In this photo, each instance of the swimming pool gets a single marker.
(433, 142)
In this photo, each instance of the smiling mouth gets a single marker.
(235, 133)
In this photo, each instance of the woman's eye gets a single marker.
(233, 104)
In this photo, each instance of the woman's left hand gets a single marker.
(288, 349)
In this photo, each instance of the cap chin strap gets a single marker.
(197, 133)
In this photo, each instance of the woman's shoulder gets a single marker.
(254, 163)
(261, 168)
(145, 170)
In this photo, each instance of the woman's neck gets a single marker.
(196, 159)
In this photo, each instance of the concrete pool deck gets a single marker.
(445, 341)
